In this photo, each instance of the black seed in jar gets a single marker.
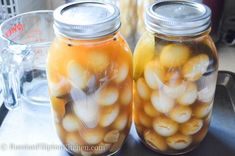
(70, 45)
(66, 97)
(68, 108)
(115, 39)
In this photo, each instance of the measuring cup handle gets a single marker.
(10, 80)
(227, 79)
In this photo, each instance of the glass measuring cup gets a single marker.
(24, 42)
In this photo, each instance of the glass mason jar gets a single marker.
(175, 72)
(89, 70)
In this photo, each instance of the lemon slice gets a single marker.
(144, 52)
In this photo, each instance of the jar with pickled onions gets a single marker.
(175, 73)
(89, 70)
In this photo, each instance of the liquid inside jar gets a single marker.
(90, 85)
(174, 87)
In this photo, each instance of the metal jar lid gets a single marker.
(86, 20)
(178, 18)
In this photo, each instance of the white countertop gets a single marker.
(226, 58)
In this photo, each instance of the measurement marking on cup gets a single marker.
(14, 29)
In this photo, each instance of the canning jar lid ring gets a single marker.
(179, 22)
(86, 20)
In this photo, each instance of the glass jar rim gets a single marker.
(178, 18)
(86, 20)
